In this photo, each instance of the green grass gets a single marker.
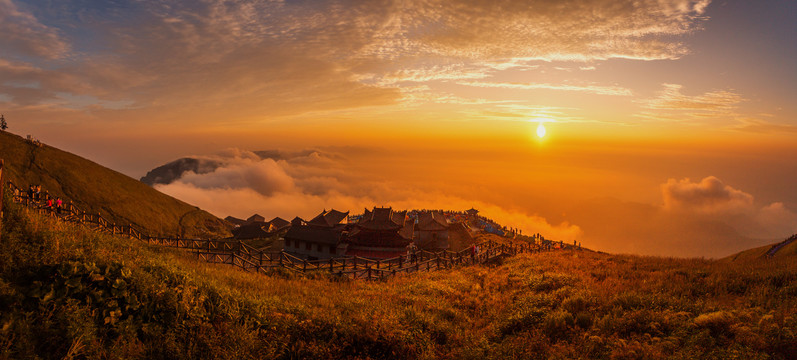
(97, 189)
(67, 292)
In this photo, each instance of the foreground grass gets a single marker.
(66, 292)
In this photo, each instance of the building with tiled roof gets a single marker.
(380, 234)
(320, 238)
(255, 227)
(431, 231)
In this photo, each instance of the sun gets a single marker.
(540, 131)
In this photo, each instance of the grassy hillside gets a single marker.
(98, 189)
(66, 292)
(757, 254)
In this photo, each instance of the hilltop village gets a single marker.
(379, 233)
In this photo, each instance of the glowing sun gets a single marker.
(540, 131)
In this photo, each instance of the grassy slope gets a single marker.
(551, 305)
(754, 254)
(97, 189)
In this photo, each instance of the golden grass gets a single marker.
(561, 304)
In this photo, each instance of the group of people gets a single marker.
(35, 194)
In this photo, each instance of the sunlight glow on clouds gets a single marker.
(268, 59)
(304, 183)
(711, 197)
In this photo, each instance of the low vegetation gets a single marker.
(68, 292)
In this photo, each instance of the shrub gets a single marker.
(575, 304)
(557, 324)
(548, 282)
(718, 322)
(584, 320)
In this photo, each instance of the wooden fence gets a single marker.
(241, 255)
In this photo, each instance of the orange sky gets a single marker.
(436, 103)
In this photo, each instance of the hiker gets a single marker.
(50, 204)
(413, 249)
(473, 252)
(58, 204)
(38, 192)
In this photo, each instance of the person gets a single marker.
(37, 194)
(50, 204)
(473, 252)
(58, 204)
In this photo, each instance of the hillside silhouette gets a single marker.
(103, 191)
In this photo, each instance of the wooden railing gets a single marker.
(246, 257)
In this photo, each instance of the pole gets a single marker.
(2, 194)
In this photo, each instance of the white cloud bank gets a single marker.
(711, 198)
(308, 182)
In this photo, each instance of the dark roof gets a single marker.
(472, 210)
(314, 234)
(329, 218)
(279, 223)
(235, 220)
(382, 219)
(256, 217)
(408, 230)
(254, 230)
(432, 221)
(298, 221)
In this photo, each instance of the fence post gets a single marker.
(2, 193)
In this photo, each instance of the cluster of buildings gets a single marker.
(380, 233)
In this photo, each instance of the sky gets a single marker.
(670, 124)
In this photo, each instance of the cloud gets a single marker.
(594, 89)
(271, 59)
(310, 181)
(672, 105)
(763, 126)
(710, 195)
(22, 33)
(671, 98)
(712, 199)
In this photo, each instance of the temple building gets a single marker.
(319, 238)
(380, 234)
(431, 231)
(255, 227)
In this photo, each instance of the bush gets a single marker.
(557, 324)
(575, 304)
(548, 282)
(718, 322)
(584, 320)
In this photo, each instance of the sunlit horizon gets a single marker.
(614, 124)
